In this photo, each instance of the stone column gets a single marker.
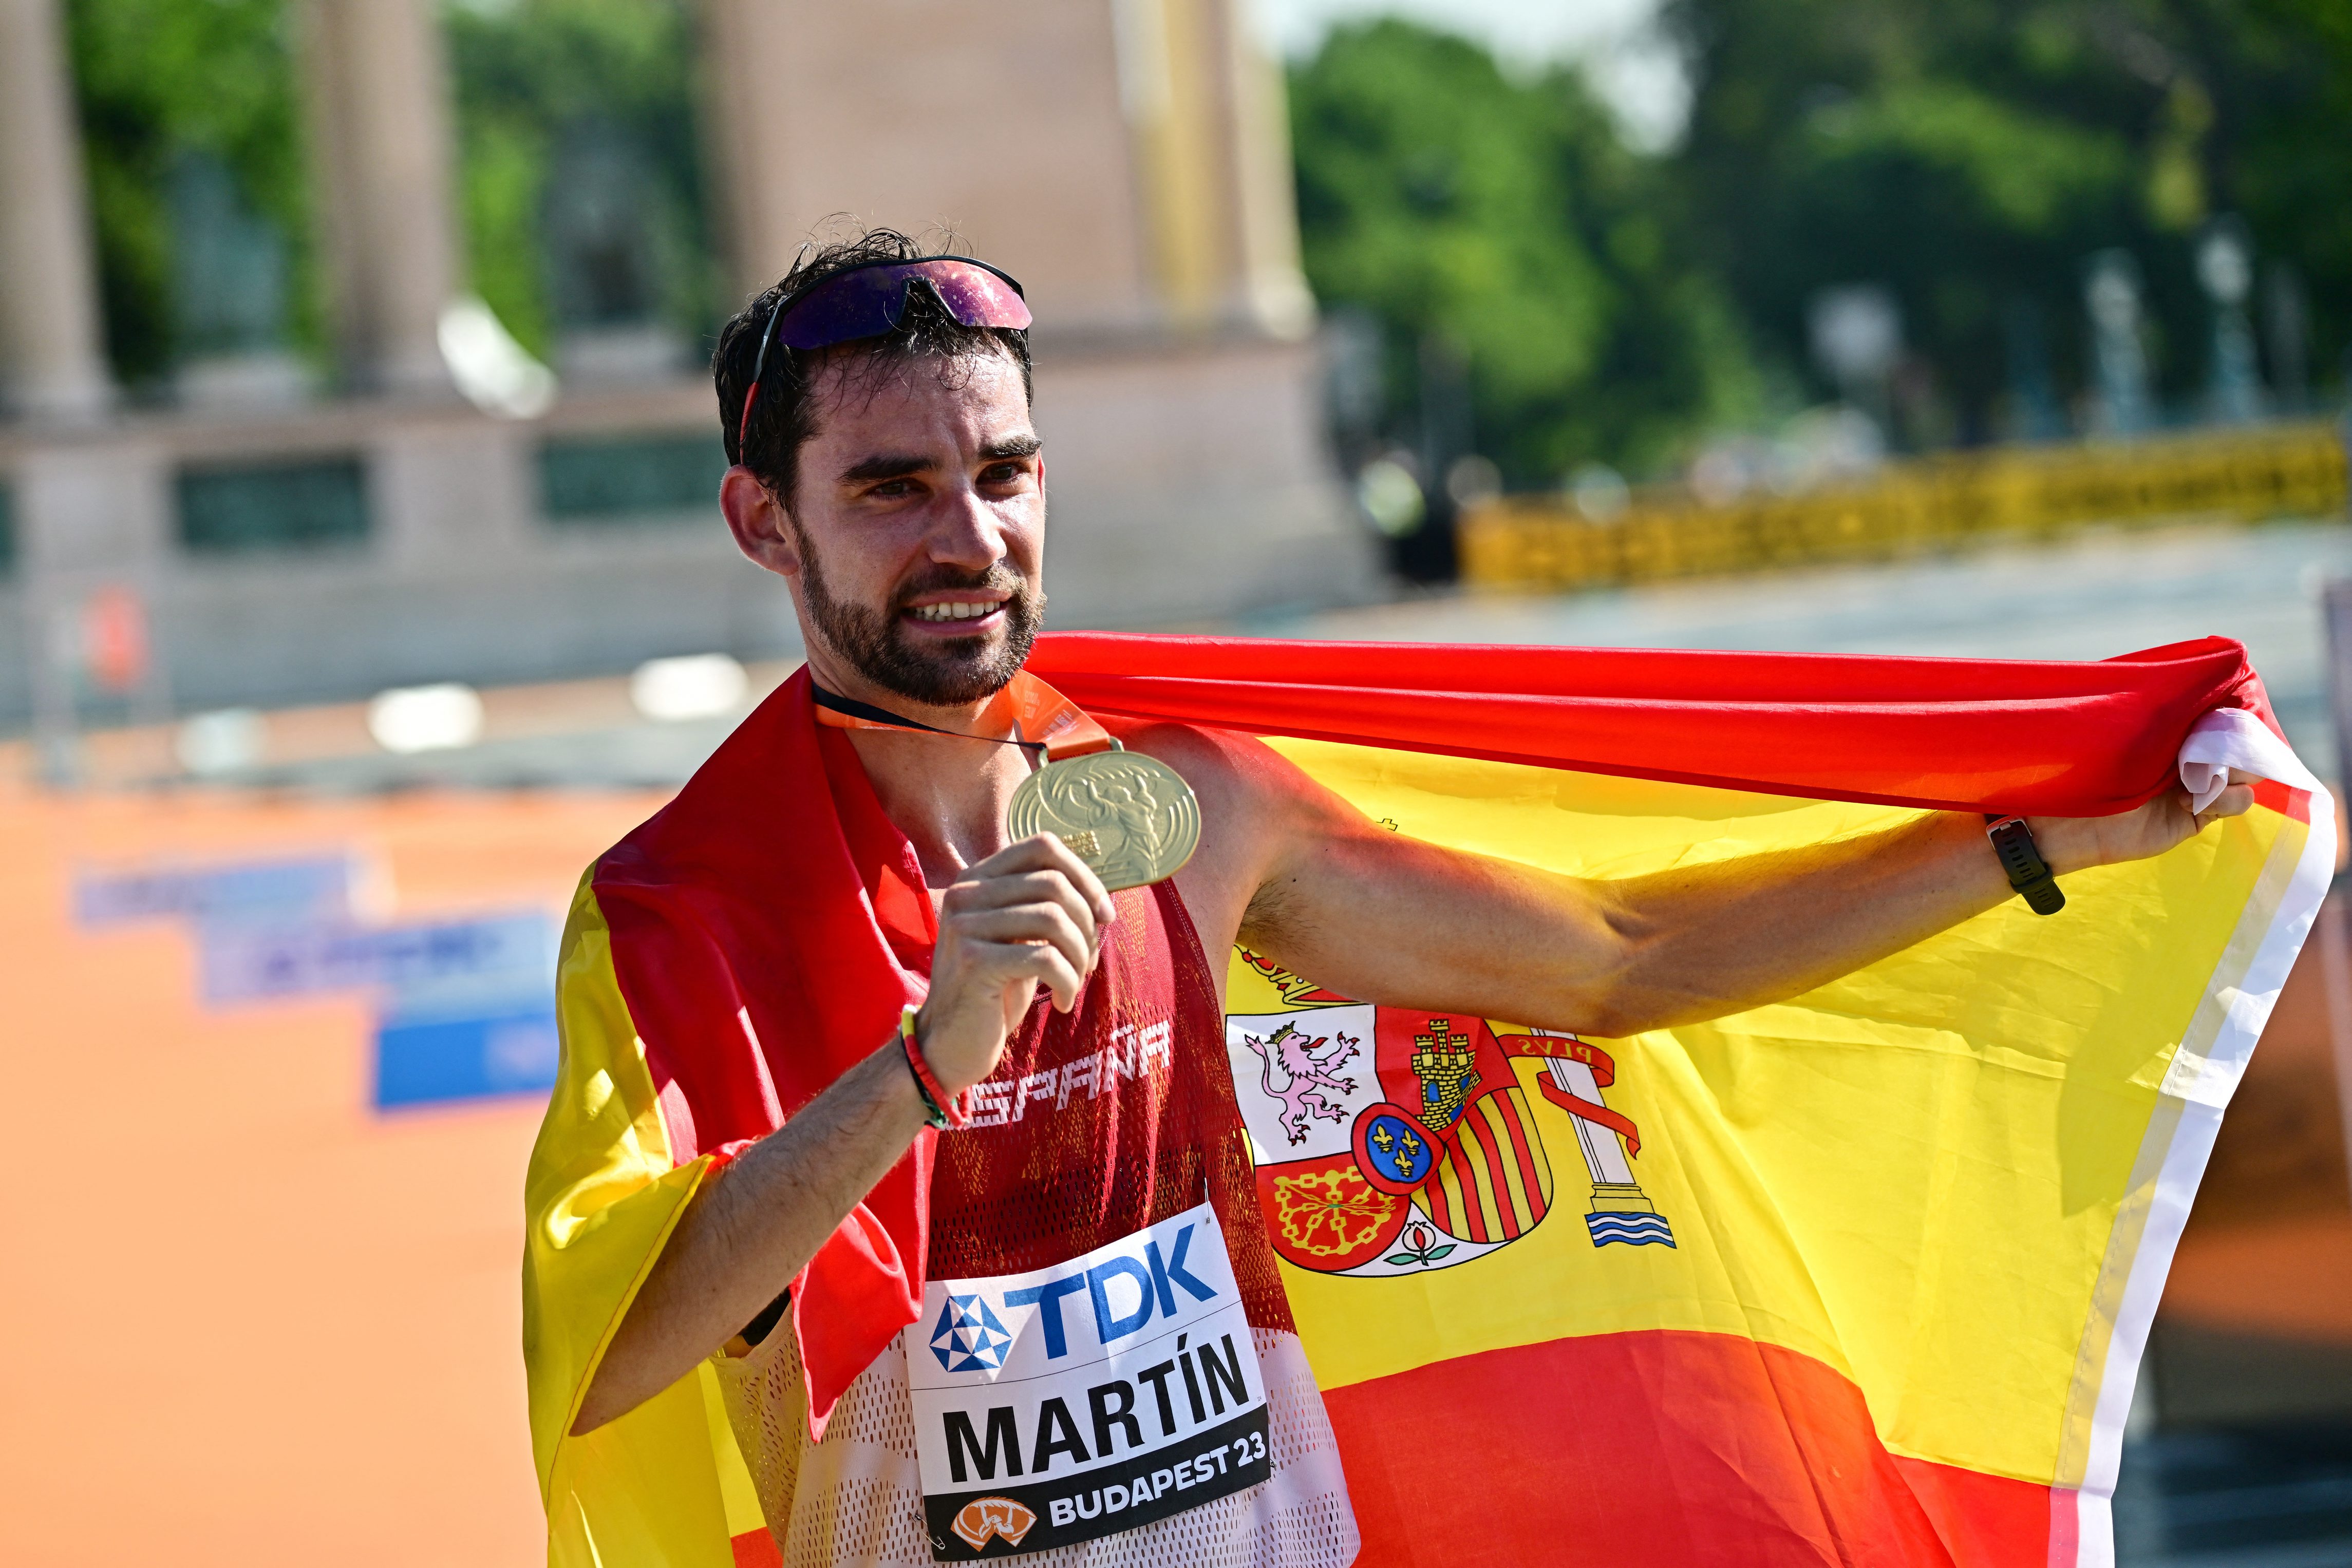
(1204, 107)
(746, 129)
(52, 363)
(377, 86)
(1270, 288)
(1002, 121)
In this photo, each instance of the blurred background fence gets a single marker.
(1986, 495)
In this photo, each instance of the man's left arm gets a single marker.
(1388, 918)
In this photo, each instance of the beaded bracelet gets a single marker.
(940, 1109)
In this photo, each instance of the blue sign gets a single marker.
(468, 1005)
(505, 955)
(430, 1060)
(288, 889)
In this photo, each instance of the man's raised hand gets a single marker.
(2076, 843)
(1030, 914)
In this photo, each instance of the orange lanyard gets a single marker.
(1042, 718)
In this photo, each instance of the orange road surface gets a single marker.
(249, 1320)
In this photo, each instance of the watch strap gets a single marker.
(2020, 858)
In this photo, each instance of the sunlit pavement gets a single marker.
(253, 1307)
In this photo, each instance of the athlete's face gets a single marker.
(917, 527)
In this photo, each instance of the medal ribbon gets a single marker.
(1044, 719)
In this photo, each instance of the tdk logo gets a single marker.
(1125, 1289)
(1098, 1394)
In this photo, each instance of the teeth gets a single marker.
(951, 611)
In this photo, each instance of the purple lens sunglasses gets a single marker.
(869, 300)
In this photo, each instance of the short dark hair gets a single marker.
(783, 421)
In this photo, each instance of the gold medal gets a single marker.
(1131, 818)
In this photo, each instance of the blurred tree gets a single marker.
(1971, 153)
(1502, 226)
(581, 90)
(2290, 170)
(169, 89)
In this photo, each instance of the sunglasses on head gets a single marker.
(869, 300)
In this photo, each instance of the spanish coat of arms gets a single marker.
(1389, 1140)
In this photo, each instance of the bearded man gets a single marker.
(831, 1015)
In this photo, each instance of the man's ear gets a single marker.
(757, 520)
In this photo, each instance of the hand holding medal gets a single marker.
(1131, 818)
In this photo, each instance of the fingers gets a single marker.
(1044, 851)
(1031, 932)
(1026, 965)
(1031, 913)
(2232, 801)
(1021, 890)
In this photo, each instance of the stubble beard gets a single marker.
(950, 674)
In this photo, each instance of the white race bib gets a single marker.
(1094, 1396)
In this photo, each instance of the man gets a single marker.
(876, 407)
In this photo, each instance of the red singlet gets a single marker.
(1097, 1123)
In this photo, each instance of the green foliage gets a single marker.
(1971, 153)
(2290, 167)
(1506, 221)
(159, 78)
(531, 74)
(162, 79)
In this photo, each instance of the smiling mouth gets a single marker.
(956, 609)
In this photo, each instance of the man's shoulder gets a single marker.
(1219, 761)
(1250, 794)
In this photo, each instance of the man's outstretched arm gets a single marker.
(1378, 915)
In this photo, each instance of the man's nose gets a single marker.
(966, 532)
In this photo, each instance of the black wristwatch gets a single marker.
(2012, 841)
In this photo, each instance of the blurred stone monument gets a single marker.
(2286, 322)
(2120, 403)
(445, 516)
(610, 254)
(1129, 162)
(2225, 267)
(1355, 381)
(1856, 331)
(377, 104)
(228, 292)
(2034, 411)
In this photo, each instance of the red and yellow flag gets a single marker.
(1858, 1277)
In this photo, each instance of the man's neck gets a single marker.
(947, 795)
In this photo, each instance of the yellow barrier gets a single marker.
(2283, 470)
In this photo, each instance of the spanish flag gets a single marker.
(1858, 1277)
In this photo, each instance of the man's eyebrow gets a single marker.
(1012, 446)
(886, 466)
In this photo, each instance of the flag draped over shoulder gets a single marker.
(1858, 1277)
(721, 966)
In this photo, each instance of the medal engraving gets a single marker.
(1132, 819)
